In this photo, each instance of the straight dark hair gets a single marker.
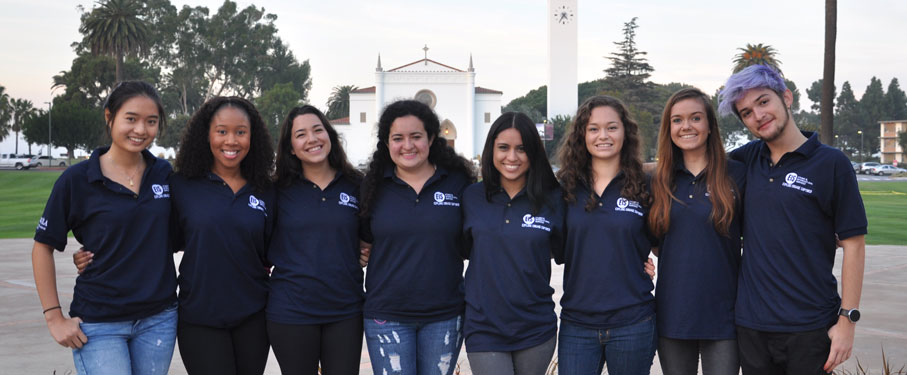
(289, 167)
(540, 179)
(127, 90)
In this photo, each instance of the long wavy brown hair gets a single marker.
(720, 186)
(576, 162)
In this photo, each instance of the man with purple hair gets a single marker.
(800, 195)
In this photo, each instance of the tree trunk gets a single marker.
(17, 142)
(120, 68)
(826, 130)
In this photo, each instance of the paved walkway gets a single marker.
(27, 348)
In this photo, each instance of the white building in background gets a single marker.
(466, 111)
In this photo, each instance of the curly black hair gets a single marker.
(194, 158)
(289, 168)
(576, 162)
(439, 153)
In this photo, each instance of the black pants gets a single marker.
(240, 350)
(783, 353)
(681, 357)
(299, 348)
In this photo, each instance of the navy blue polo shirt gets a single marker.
(132, 275)
(605, 283)
(223, 278)
(415, 270)
(697, 266)
(508, 291)
(317, 278)
(792, 211)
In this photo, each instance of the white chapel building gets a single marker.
(466, 111)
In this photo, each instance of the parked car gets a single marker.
(866, 166)
(886, 170)
(17, 161)
(855, 166)
(44, 160)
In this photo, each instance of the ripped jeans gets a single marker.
(422, 348)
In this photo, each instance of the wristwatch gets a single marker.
(852, 314)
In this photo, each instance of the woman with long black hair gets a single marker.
(513, 223)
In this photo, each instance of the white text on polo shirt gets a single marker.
(536, 222)
(626, 205)
(257, 204)
(348, 201)
(793, 181)
(446, 199)
(42, 224)
(160, 191)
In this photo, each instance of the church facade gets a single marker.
(466, 111)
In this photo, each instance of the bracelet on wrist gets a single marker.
(51, 308)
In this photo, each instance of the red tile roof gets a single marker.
(482, 90)
(341, 121)
(364, 90)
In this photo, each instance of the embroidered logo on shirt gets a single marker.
(442, 199)
(626, 205)
(536, 222)
(257, 204)
(42, 224)
(160, 191)
(794, 181)
(348, 201)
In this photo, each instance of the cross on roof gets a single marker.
(426, 53)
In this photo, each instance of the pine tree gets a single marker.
(628, 64)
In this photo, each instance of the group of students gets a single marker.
(273, 249)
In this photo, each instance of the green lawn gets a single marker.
(23, 194)
(886, 208)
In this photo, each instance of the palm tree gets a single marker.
(21, 110)
(827, 130)
(115, 28)
(339, 102)
(4, 113)
(756, 54)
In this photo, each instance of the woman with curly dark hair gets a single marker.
(223, 206)
(607, 311)
(411, 199)
(314, 308)
(513, 223)
(696, 215)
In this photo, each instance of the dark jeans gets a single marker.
(238, 350)
(681, 357)
(529, 361)
(299, 348)
(627, 350)
(783, 353)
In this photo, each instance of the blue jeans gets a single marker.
(137, 347)
(414, 348)
(627, 350)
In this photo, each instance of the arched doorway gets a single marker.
(449, 132)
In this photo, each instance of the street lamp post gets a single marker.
(50, 158)
(862, 156)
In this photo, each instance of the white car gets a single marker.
(866, 168)
(17, 161)
(43, 161)
(886, 170)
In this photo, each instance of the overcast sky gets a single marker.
(687, 41)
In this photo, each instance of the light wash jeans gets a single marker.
(425, 348)
(137, 347)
